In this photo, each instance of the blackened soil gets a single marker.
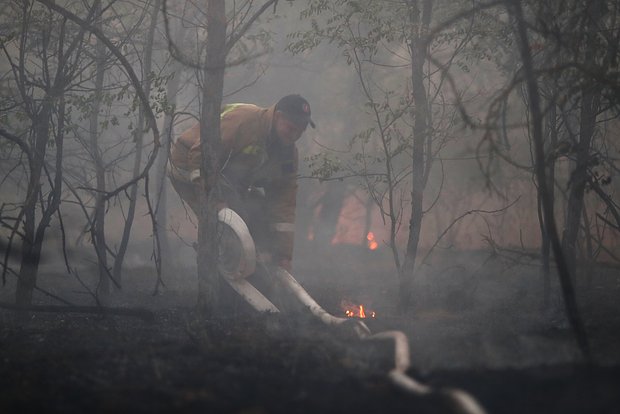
(477, 326)
(553, 389)
(75, 363)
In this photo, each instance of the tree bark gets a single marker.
(551, 143)
(31, 246)
(572, 311)
(212, 92)
(139, 138)
(98, 229)
(590, 101)
(579, 177)
(34, 232)
(169, 261)
(420, 20)
(43, 128)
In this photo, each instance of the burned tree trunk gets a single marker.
(43, 129)
(572, 311)
(98, 221)
(211, 73)
(34, 233)
(212, 92)
(551, 142)
(169, 261)
(579, 176)
(31, 244)
(420, 20)
(590, 102)
(139, 138)
(48, 53)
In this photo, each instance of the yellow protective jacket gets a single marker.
(251, 156)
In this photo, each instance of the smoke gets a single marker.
(478, 287)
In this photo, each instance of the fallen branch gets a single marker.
(456, 220)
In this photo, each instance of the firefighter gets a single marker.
(258, 162)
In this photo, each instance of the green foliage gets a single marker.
(159, 99)
(359, 25)
(324, 165)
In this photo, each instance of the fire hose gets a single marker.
(244, 264)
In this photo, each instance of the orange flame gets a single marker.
(372, 243)
(357, 311)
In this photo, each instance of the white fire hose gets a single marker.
(460, 400)
(236, 268)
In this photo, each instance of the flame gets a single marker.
(357, 311)
(372, 243)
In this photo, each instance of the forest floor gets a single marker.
(477, 326)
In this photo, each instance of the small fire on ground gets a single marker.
(357, 311)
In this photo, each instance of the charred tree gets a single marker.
(551, 142)
(211, 71)
(86, 25)
(41, 100)
(572, 311)
(97, 230)
(549, 94)
(139, 140)
(169, 260)
(34, 231)
(420, 16)
(212, 91)
(590, 95)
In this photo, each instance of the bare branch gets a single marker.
(456, 220)
(152, 123)
(20, 142)
(240, 32)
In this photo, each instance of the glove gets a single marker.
(285, 264)
(220, 205)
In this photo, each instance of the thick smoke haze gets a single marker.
(486, 291)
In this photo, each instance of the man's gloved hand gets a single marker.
(220, 205)
(274, 260)
(285, 264)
